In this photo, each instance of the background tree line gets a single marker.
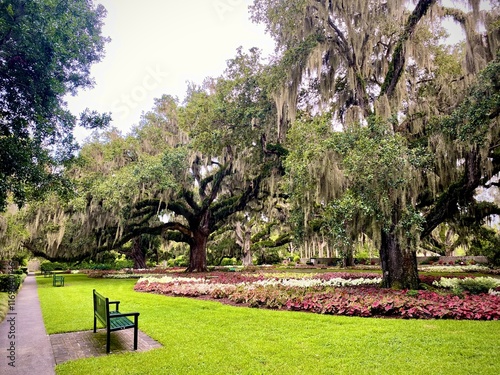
(365, 127)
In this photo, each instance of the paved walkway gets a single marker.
(23, 337)
(84, 344)
(26, 348)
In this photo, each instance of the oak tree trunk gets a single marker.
(244, 240)
(137, 255)
(198, 252)
(247, 259)
(347, 258)
(399, 264)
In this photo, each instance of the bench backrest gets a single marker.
(101, 307)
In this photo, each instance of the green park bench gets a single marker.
(113, 320)
(47, 273)
(57, 280)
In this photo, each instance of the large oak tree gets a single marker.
(401, 126)
(180, 175)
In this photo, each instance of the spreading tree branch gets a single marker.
(235, 204)
(398, 57)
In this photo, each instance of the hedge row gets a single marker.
(10, 283)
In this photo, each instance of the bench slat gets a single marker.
(120, 323)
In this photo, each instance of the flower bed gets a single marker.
(455, 268)
(370, 301)
(329, 293)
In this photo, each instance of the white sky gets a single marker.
(157, 46)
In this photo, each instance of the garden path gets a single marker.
(27, 349)
(24, 343)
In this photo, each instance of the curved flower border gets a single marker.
(339, 294)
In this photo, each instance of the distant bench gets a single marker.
(113, 320)
(57, 280)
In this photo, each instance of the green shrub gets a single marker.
(10, 283)
(53, 266)
(105, 266)
(102, 267)
(123, 263)
(85, 265)
(477, 285)
(4, 305)
(60, 266)
(472, 285)
(228, 262)
(180, 261)
(271, 256)
(47, 267)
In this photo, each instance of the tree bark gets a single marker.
(398, 61)
(347, 257)
(247, 260)
(138, 256)
(198, 252)
(399, 265)
(244, 240)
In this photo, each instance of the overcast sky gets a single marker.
(157, 46)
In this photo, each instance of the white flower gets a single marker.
(287, 282)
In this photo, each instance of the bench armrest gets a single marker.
(116, 303)
(125, 314)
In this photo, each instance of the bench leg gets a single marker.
(136, 325)
(135, 336)
(95, 324)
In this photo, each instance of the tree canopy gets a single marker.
(366, 124)
(180, 175)
(402, 128)
(46, 51)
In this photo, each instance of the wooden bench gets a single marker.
(113, 319)
(57, 280)
(47, 273)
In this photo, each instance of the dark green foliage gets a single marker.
(228, 262)
(180, 261)
(10, 283)
(270, 256)
(277, 149)
(47, 49)
(470, 122)
(53, 266)
(486, 241)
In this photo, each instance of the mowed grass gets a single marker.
(203, 337)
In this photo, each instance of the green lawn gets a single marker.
(201, 337)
